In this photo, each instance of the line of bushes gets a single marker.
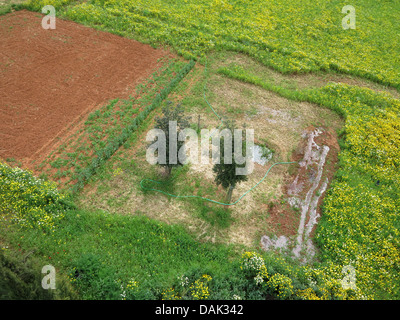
(103, 155)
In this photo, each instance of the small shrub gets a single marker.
(29, 201)
(280, 286)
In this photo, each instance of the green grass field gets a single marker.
(295, 50)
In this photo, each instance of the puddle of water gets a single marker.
(260, 156)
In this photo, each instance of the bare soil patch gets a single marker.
(298, 212)
(51, 79)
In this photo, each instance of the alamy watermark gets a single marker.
(164, 151)
(349, 21)
(49, 20)
(49, 280)
(349, 280)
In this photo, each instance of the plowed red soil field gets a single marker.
(51, 79)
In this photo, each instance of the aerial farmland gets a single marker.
(307, 209)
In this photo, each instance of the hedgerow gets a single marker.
(113, 145)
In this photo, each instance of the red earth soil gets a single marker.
(51, 79)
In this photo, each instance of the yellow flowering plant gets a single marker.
(280, 285)
(29, 201)
(199, 289)
(253, 265)
(170, 294)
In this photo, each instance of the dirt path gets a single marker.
(51, 79)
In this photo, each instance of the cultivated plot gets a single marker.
(52, 79)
